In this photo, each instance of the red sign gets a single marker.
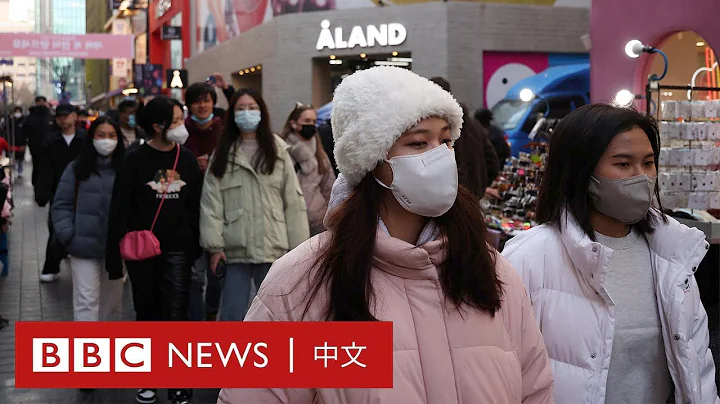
(90, 46)
(203, 354)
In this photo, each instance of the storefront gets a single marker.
(301, 57)
(170, 32)
(653, 22)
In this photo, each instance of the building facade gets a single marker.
(61, 79)
(300, 57)
(18, 16)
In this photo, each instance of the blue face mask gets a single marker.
(247, 121)
(131, 121)
(202, 121)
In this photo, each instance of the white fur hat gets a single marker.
(373, 107)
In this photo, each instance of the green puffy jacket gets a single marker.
(250, 216)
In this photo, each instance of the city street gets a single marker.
(23, 297)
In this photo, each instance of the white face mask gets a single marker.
(178, 135)
(17, 115)
(105, 147)
(425, 184)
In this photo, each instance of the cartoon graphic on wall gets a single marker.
(167, 184)
(502, 70)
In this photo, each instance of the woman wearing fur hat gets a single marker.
(406, 244)
(312, 164)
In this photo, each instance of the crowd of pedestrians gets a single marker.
(375, 215)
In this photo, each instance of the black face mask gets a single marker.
(307, 131)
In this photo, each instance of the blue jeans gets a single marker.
(237, 287)
(204, 290)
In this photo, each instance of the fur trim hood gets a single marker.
(373, 107)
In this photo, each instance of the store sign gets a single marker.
(89, 46)
(169, 33)
(392, 34)
(176, 78)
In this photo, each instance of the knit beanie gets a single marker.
(372, 108)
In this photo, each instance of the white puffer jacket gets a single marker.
(564, 272)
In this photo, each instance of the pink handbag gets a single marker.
(142, 245)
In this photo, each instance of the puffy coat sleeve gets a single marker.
(537, 378)
(63, 207)
(296, 218)
(212, 214)
(267, 306)
(701, 339)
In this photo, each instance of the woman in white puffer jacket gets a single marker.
(610, 277)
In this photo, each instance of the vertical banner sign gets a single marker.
(141, 49)
(204, 354)
(121, 66)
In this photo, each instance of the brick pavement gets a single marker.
(22, 297)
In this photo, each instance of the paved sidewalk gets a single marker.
(22, 297)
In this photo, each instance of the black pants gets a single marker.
(34, 153)
(54, 252)
(161, 287)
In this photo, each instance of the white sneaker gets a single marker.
(146, 396)
(46, 278)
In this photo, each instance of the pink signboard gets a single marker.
(90, 46)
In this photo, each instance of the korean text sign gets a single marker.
(203, 354)
(89, 46)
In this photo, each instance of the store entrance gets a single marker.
(248, 77)
(687, 103)
(328, 72)
(691, 61)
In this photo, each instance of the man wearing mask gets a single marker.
(18, 140)
(204, 128)
(36, 128)
(61, 148)
(222, 89)
(127, 121)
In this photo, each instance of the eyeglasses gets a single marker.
(248, 108)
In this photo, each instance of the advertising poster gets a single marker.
(220, 20)
(149, 79)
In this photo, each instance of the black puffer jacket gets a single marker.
(57, 155)
(37, 126)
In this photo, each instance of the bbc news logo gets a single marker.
(92, 355)
(204, 354)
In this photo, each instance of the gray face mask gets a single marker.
(626, 200)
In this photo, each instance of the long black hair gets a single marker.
(576, 145)
(86, 163)
(264, 161)
(344, 267)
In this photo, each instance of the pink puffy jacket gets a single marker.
(439, 356)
